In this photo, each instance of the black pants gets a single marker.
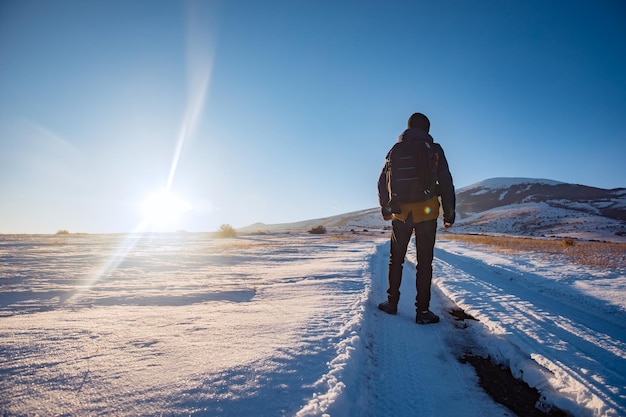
(425, 243)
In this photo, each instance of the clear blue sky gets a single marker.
(278, 111)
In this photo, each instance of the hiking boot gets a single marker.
(426, 317)
(388, 308)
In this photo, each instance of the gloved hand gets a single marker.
(386, 213)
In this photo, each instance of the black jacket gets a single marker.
(444, 178)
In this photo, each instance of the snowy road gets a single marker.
(560, 327)
(412, 370)
(287, 325)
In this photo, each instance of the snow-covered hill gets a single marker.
(357, 221)
(511, 206)
(538, 207)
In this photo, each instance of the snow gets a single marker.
(357, 220)
(287, 325)
(568, 319)
(506, 182)
(541, 219)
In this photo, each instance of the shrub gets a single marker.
(226, 230)
(63, 232)
(318, 230)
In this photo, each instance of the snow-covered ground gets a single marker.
(287, 325)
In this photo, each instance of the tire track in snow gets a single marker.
(532, 328)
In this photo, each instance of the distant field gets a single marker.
(598, 254)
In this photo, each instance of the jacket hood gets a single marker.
(415, 134)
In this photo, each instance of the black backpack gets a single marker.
(411, 173)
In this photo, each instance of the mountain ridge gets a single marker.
(508, 206)
(606, 202)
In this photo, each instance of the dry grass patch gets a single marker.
(348, 236)
(359, 235)
(598, 254)
(242, 244)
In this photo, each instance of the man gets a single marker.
(419, 217)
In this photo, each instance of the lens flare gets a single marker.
(199, 67)
(164, 210)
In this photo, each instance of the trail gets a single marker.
(412, 370)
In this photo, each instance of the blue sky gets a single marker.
(284, 110)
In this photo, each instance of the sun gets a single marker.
(164, 210)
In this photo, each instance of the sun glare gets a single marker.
(164, 210)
